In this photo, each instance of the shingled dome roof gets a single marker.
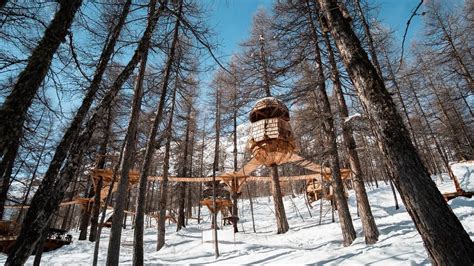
(269, 107)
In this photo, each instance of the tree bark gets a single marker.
(423, 201)
(13, 111)
(322, 102)
(184, 173)
(233, 195)
(164, 184)
(127, 163)
(370, 39)
(280, 215)
(139, 222)
(363, 206)
(86, 212)
(215, 167)
(51, 191)
(94, 220)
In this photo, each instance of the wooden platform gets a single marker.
(6, 243)
(56, 237)
(107, 175)
(220, 204)
(451, 195)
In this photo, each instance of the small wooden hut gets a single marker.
(271, 138)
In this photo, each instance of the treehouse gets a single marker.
(271, 138)
(221, 190)
(9, 231)
(223, 202)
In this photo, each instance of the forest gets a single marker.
(128, 137)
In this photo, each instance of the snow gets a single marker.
(464, 171)
(307, 242)
(349, 118)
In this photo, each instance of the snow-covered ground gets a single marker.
(307, 242)
(464, 172)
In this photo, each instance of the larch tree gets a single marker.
(185, 166)
(232, 94)
(368, 222)
(423, 201)
(94, 217)
(330, 145)
(215, 169)
(127, 158)
(261, 75)
(51, 191)
(171, 58)
(14, 109)
(163, 200)
(446, 35)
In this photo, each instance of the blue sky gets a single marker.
(232, 19)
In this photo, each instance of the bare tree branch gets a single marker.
(406, 31)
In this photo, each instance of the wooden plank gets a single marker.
(181, 179)
(300, 161)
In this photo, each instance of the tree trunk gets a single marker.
(151, 144)
(322, 102)
(251, 207)
(33, 176)
(190, 187)
(94, 220)
(201, 166)
(86, 212)
(215, 167)
(182, 185)
(423, 201)
(108, 200)
(233, 195)
(368, 222)
(127, 163)
(280, 215)
(164, 184)
(13, 111)
(50, 193)
(39, 249)
(370, 40)
(435, 140)
(96, 210)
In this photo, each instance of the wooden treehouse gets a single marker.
(9, 231)
(223, 201)
(316, 190)
(271, 143)
(271, 138)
